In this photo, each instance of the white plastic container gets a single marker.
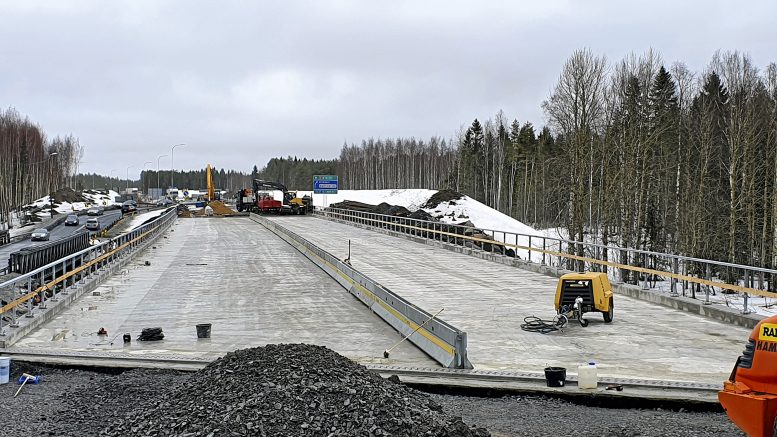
(587, 377)
(5, 369)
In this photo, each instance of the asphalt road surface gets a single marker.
(56, 233)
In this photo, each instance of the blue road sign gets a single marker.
(325, 184)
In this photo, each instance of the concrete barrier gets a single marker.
(441, 341)
(695, 306)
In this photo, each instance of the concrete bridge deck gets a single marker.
(490, 300)
(251, 286)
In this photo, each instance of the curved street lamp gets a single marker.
(172, 166)
(157, 172)
(128, 167)
(144, 169)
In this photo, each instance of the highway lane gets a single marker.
(57, 233)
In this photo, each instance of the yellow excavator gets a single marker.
(211, 188)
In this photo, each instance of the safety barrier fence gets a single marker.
(30, 258)
(31, 292)
(686, 275)
(440, 340)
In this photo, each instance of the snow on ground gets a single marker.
(488, 219)
(97, 198)
(139, 219)
(411, 199)
(462, 210)
(93, 198)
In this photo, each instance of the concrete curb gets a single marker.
(715, 312)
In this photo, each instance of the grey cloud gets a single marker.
(241, 82)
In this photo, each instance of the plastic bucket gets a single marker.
(555, 376)
(5, 369)
(203, 330)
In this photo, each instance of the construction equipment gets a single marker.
(244, 200)
(750, 394)
(580, 293)
(291, 204)
(211, 187)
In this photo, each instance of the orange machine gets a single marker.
(750, 395)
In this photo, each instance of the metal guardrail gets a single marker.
(30, 258)
(45, 283)
(440, 340)
(632, 265)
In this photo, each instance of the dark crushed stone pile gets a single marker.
(440, 197)
(289, 390)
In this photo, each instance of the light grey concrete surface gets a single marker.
(715, 310)
(490, 300)
(251, 286)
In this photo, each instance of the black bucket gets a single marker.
(555, 376)
(203, 330)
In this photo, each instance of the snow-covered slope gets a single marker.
(410, 199)
(92, 198)
(459, 211)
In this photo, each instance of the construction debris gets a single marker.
(151, 334)
(289, 390)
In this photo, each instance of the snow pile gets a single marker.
(72, 201)
(140, 219)
(458, 209)
(100, 198)
(411, 199)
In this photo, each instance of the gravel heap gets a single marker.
(289, 390)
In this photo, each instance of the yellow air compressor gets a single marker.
(580, 293)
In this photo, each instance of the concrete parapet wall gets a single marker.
(441, 341)
(695, 306)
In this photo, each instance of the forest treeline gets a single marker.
(638, 153)
(224, 179)
(31, 164)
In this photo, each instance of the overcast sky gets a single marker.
(240, 82)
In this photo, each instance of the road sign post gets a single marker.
(325, 184)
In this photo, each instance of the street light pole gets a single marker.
(172, 165)
(128, 167)
(157, 173)
(51, 190)
(110, 179)
(144, 169)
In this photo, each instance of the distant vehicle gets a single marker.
(129, 206)
(71, 220)
(164, 202)
(40, 234)
(92, 224)
(95, 211)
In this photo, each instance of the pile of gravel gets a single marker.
(289, 390)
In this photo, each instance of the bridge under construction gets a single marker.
(359, 290)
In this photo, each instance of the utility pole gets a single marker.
(172, 165)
